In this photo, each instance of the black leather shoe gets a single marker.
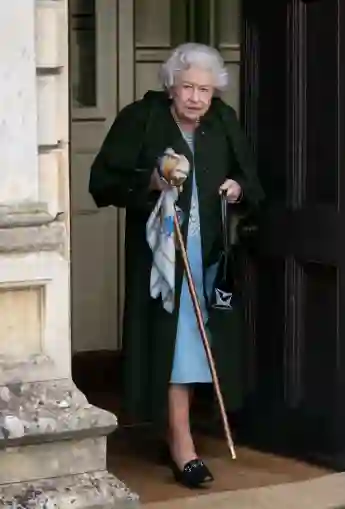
(195, 474)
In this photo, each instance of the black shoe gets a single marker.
(194, 474)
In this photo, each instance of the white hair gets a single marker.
(190, 55)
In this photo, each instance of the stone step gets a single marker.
(46, 411)
(52, 459)
(97, 490)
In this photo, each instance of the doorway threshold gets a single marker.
(133, 456)
(323, 493)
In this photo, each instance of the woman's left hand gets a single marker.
(233, 190)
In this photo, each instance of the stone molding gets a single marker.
(28, 214)
(49, 237)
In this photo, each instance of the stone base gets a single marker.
(51, 410)
(53, 450)
(98, 490)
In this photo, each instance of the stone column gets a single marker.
(52, 442)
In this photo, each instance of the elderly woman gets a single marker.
(163, 353)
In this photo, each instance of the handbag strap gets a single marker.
(225, 225)
(225, 232)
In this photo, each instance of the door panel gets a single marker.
(218, 22)
(228, 25)
(321, 175)
(295, 120)
(149, 33)
(93, 231)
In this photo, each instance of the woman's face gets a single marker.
(192, 93)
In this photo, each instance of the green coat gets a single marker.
(120, 176)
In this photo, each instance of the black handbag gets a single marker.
(226, 313)
(224, 295)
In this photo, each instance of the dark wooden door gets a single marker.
(293, 86)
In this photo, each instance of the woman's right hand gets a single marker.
(172, 171)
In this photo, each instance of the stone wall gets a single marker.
(52, 442)
(34, 200)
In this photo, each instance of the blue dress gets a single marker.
(190, 363)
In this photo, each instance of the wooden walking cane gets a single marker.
(203, 334)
